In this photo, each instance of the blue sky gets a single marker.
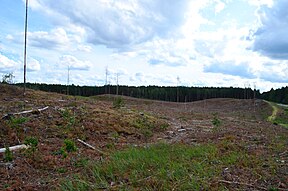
(219, 43)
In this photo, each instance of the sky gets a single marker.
(220, 43)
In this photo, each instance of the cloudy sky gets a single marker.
(240, 43)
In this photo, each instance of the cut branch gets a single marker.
(14, 148)
(88, 145)
(91, 147)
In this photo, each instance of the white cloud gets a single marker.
(230, 68)
(33, 65)
(84, 48)
(274, 71)
(7, 64)
(119, 24)
(74, 63)
(55, 39)
(270, 39)
(268, 3)
(219, 6)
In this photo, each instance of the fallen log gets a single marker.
(14, 148)
(35, 111)
(31, 111)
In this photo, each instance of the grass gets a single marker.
(279, 115)
(159, 167)
(15, 122)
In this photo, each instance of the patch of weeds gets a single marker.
(216, 121)
(32, 142)
(69, 146)
(143, 122)
(145, 125)
(8, 155)
(5, 186)
(63, 152)
(69, 117)
(62, 170)
(118, 102)
(15, 122)
(147, 133)
(115, 135)
(164, 126)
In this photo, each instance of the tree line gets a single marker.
(164, 93)
(278, 95)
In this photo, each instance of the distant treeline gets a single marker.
(278, 95)
(165, 93)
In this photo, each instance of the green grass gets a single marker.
(279, 115)
(15, 122)
(159, 167)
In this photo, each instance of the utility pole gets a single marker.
(254, 99)
(68, 78)
(178, 81)
(106, 80)
(117, 88)
(25, 46)
(106, 75)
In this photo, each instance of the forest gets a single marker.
(163, 93)
(279, 95)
